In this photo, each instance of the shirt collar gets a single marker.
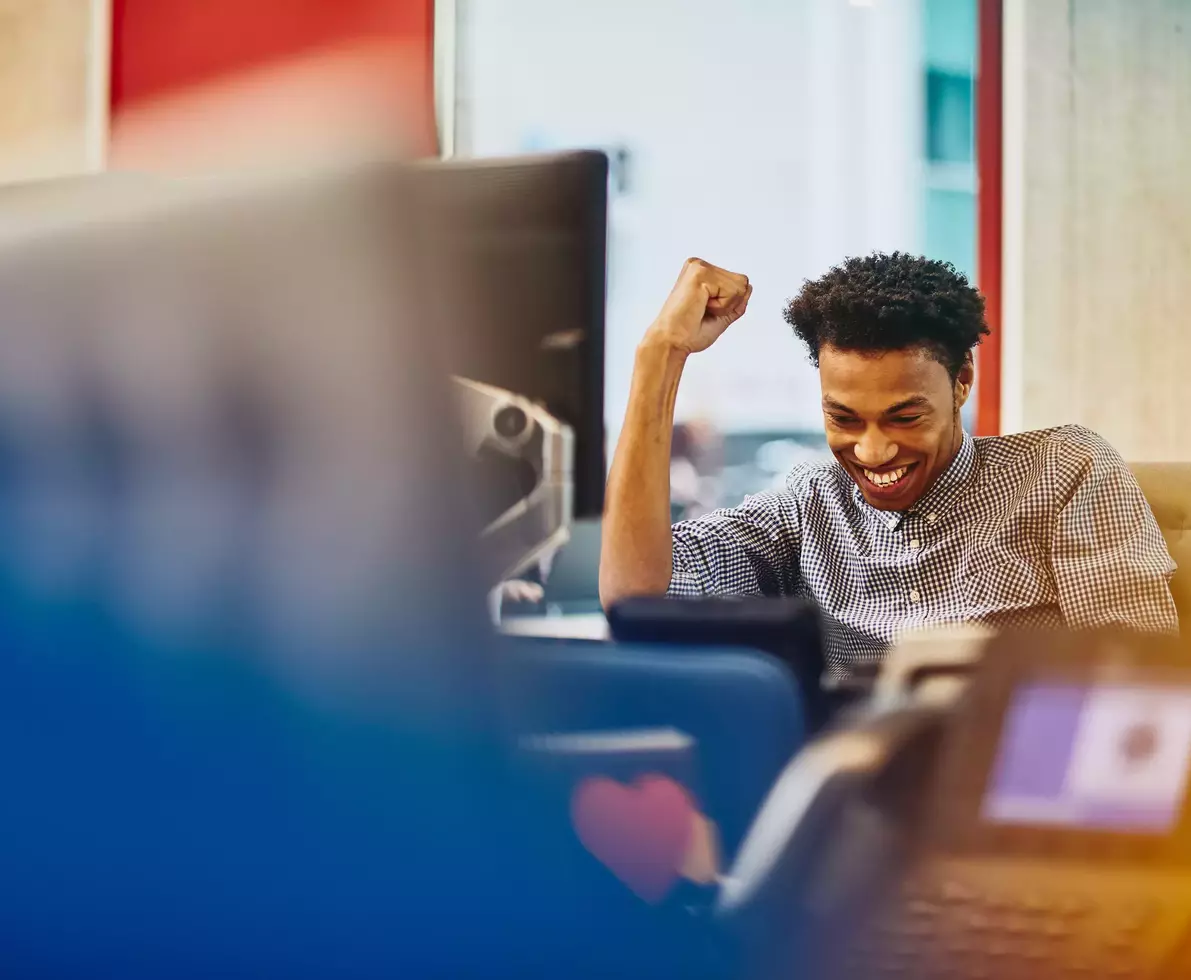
(941, 495)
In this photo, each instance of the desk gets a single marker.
(573, 626)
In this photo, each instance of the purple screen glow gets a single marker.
(1094, 757)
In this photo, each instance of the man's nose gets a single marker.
(874, 449)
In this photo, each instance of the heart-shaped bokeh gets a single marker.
(640, 831)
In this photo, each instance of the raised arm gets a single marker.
(636, 555)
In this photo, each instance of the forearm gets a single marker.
(636, 554)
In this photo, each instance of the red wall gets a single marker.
(988, 214)
(161, 47)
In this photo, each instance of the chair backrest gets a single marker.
(744, 708)
(1167, 487)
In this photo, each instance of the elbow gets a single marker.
(633, 565)
(609, 596)
(616, 588)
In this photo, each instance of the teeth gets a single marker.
(886, 479)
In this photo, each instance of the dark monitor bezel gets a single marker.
(582, 176)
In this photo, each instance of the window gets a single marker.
(773, 137)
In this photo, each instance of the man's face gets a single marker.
(892, 420)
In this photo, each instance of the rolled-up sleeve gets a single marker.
(1110, 562)
(747, 550)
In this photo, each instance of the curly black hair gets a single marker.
(891, 302)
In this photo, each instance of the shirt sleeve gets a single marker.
(747, 550)
(1110, 562)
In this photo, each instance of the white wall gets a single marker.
(770, 136)
(1098, 220)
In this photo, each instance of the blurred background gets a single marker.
(251, 699)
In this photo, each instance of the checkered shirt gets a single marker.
(1036, 530)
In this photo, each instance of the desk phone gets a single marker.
(1048, 835)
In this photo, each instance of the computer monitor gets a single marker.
(520, 248)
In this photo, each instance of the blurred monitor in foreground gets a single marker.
(249, 723)
(520, 255)
(221, 423)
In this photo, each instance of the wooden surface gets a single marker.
(46, 108)
(1106, 236)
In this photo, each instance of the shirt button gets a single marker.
(915, 544)
(931, 518)
(915, 595)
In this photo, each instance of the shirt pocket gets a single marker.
(997, 581)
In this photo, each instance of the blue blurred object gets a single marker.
(249, 713)
(189, 817)
(742, 707)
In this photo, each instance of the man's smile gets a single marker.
(887, 484)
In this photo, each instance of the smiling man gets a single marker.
(913, 522)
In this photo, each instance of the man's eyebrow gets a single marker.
(833, 405)
(918, 401)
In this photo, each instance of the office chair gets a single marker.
(742, 707)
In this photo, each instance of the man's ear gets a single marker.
(964, 380)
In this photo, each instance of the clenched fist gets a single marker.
(704, 302)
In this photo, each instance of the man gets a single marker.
(914, 522)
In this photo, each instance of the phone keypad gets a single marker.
(950, 929)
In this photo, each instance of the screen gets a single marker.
(1093, 757)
